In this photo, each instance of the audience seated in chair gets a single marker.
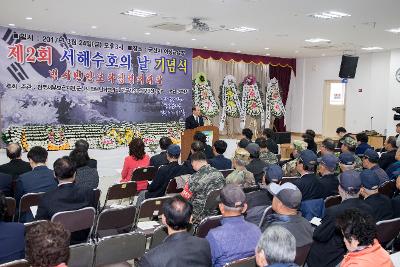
(235, 238)
(243, 143)
(271, 144)
(161, 159)
(359, 231)
(328, 248)
(276, 248)
(309, 137)
(241, 175)
(394, 169)
(200, 184)
(342, 133)
(396, 200)
(370, 161)
(347, 161)
(289, 168)
(362, 143)
(137, 158)
(266, 155)
(187, 167)
(308, 184)
(199, 136)
(47, 244)
(256, 165)
(180, 248)
(247, 134)
(6, 184)
(286, 202)
(327, 147)
(219, 161)
(85, 176)
(389, 157)
(329, 181)
(380, 204)
(83, 145)
(12, 240)
(349, 144)
(16, 166)
(40, 179)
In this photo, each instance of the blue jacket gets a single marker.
(361, 148)
(12, 241)
(220, 162)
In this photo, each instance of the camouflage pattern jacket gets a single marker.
(268, 157)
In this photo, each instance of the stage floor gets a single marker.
(109, 162)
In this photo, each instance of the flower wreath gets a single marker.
(203, 95)
(229, 100)
(251, 100)
(273, 101)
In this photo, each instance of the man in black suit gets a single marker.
(256, 165)
(195, 120)
(388, 157)
(219, 161)
(161, 159)
(6, 184)
(16, 166)
(180, 248)
(83, 145)
(271, 144)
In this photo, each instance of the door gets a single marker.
(334, 107)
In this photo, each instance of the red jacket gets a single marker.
(371, 256)
(131, 164)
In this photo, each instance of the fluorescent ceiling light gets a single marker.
(394, 30)
(193, 39)
(28, 18)
(372, 48)
(94, 27)
(11, 25)
(238, 51)
(267, 54)
(147, 33)
(139, 13)
(267, 48)
(329, 15)
(243, 29)
(317, 40)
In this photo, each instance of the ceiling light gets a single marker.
(372, 48)
(147, 33)
(297, 51)
(329, 15)
(323, 55)
(11, 25)
(267, 54)
(123, 38)
(243, 29)
(267, 48)
(73, 32)
(139, 13)
(238, 51)
(317, 40)
(167, 43)
(193, 39)
(232, 44)
(394, 30)
(28, 18)
(205, 47)
(94, 27)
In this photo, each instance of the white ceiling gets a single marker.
(282, 25)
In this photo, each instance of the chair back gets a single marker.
(144, 174)
(212, 200)
(115, 221)
(332, 201)
(27, 201)
(76, 220)
(207, 224)
(302, 254)
(30, 225)
(387, 230)
(120, 248)
(288, 179)
(172, 187)
(268, 210)
(81, 255)
(16, 263)
(152, 207)
(225, 173)
(121, 191)
(97, 195)
(388, 188)
(312, 208)
(160, 233)
(11, 206)
(246, 262)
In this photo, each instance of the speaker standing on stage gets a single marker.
(195, 120)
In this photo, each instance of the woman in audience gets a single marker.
(309, 137)
(85, 176)
(47, 245)
(359, 232)
(241, 176)
(137, 159)
(12, 240)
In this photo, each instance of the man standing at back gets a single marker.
(235, 238)
(180, 248)
(16, 166)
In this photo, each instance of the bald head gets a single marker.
(14, 151)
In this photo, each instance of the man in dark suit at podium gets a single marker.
(195, 120)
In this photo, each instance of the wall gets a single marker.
(375, 76)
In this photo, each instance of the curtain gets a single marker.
(216, 70)
(283, 76)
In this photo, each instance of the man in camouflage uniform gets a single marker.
(241, 176)
(265, 155)
(349, 144)
(201, 183)
(289, 169)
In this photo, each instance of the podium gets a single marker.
(211, 132)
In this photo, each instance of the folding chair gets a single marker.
(246, 262)
(120, 248)
(172, 188)
(144, 174)
(207, 224)
(16, 263)
(158, 236)
(387, 231)
(388, 188)
(76, 220)
(121, 191)
(225, 173)
(268, 210)
(97, 195)
(27, 201)
(81, 255)
(151, 207)
(288, 179)
(115, 221)
(211, 201)
(302, 254)
(11, 206)
(332, 201)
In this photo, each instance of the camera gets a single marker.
(396, 117)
